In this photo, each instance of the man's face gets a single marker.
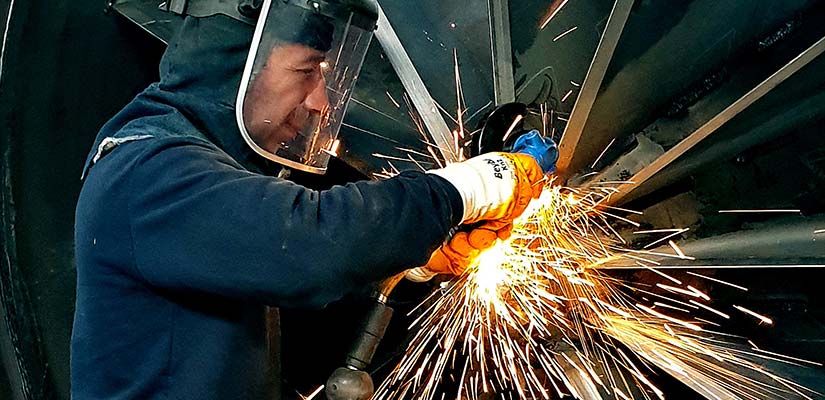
(288, 94)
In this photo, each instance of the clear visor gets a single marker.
(299, 76)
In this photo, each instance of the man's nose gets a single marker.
(317, 99)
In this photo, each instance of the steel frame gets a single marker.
(504, 84)
(572, 136)
(414, 85)
(720, 119)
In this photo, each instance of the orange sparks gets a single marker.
(554, 10)
(760, 317)
(512, 127)
(718, 281)
(313, 394)
(563, 34)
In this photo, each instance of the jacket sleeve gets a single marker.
(200, 222)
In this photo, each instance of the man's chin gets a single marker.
(284, 136)
(276, 139)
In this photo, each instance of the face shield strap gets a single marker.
(338, 12)
(247, 11)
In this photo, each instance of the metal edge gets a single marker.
(504, 84)
(10, 12)
(414, 85)
(592, 83)
(141, 17)
(720, 119)
(27, 367)
(20, 318)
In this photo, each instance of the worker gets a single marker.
(186, 228)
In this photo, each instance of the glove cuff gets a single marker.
(485, 183)
(420, 274)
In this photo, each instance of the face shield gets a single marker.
(302, 67)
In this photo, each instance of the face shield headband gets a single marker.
(302, 67)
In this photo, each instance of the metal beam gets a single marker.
(592, 83)
(789, 242)
(720, 119)
(414, 85)
(5, 26)
(504, 84)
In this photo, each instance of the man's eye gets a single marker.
(308, 72)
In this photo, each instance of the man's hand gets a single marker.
(495, 186)
(456, 255)
(529, 181)
(495, 189)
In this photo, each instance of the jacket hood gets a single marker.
(205, 60)
(200, 74)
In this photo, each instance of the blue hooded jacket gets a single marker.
(183, 236)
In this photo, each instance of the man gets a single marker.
(184, 233)
(277, 120)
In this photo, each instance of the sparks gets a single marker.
(754, 314)
(512, 127)
(563, 34)
(393, 100)
(718, 281)
(713, 310)
(566, 95)
(535, 316)
(554, 10)
(313, 394)
(603, 151)
(676, 233)
(676, 249)
(333, 148)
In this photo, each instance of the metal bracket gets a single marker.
(720, 119)
(174, 6)
(592, 83)
(504, 83)
(414, 85)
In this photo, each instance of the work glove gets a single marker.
(498, 186)
(458, 253)
(495, 189)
